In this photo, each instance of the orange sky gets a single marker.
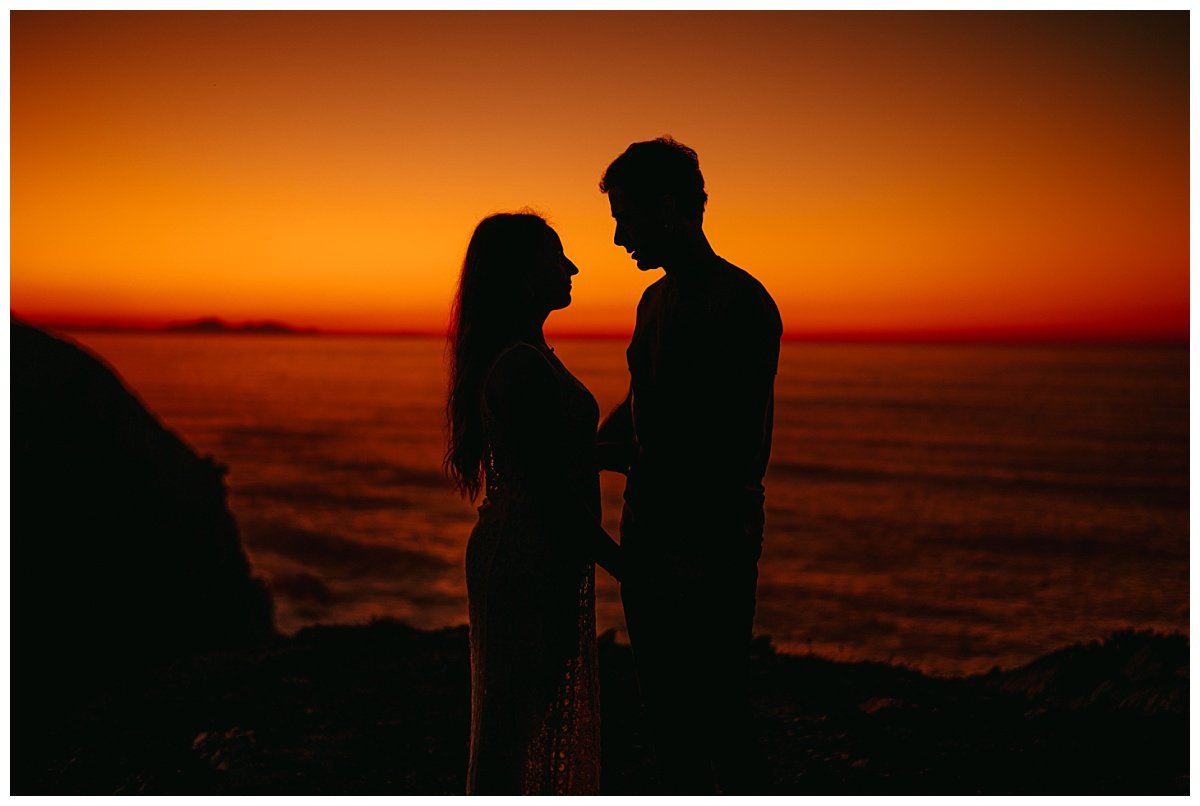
(1003, 173)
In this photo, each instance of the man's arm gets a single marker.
(616, 444)
(616, 439)
(738, 396)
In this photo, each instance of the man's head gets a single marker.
(656, 193)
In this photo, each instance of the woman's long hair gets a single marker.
(486, 316)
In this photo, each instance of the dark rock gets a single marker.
(1132, 671)
(124, 553)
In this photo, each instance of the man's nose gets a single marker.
(619, 236)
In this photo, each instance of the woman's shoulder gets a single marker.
(517, 366)
(520, 354)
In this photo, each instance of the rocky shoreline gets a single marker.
(383, 709)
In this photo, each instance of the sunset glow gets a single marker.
(989, 174)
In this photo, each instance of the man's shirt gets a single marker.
(702, 364)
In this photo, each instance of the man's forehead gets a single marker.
(618, 202)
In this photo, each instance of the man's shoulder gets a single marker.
(652, 292)
(746, 294)
(739, 280)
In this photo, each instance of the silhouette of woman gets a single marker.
(523, 429)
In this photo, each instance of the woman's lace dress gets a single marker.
(534, 694)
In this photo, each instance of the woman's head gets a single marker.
(514, 274)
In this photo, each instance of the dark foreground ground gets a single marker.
(383, 709)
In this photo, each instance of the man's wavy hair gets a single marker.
(653, 168)
(484, 319)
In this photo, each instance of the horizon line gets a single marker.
(990, 335)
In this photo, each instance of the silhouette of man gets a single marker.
(693, 436)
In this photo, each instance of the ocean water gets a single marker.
(951, 507)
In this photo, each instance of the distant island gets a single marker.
(212, 324)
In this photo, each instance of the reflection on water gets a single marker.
(950, 507)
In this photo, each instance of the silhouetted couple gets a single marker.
(692, 436)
